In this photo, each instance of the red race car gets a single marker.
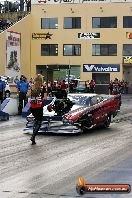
(78, 112)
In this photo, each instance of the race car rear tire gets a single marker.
(107, 122)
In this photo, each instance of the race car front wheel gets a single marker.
(108, 121)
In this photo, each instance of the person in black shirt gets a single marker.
(38, 94)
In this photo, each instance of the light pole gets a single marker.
(47, 77)
(69, 70)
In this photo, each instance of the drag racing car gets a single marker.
(77, 113)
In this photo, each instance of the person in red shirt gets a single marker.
(92, 86)
(38, 94)
(63, 85)
(116, 87)
(63, 88)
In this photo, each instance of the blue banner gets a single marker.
(101, 67)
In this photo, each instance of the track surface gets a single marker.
(50, 168)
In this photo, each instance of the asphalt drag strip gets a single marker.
(51, 168)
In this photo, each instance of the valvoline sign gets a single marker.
(101, 67)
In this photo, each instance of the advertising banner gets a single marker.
(13, 54)
(129, 35)
(101, 68)
(88, 35)
(41, 35)
(127, 59)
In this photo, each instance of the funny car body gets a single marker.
(77, 113)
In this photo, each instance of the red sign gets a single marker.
(129, 35)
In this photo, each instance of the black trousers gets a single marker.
(38, 115)
(22, 97)
(1, 97)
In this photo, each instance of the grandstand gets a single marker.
(12, 11)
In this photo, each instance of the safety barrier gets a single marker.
(26, 110)
(3, 116)
(10, 106)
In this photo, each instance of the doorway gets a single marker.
(127, 73)
(58, 72)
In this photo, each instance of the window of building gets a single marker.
(127, 50)
(72, 50)
(49, 23)
(49, 50)
(104, 22)
(72, 22)
(127, 22)
(101, 78)
(104, 50)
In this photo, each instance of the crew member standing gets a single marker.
(115, 90)
(22, 89)
(110, 87)
(92, 86)
(2, 87)
(38, 94)
(63, 89)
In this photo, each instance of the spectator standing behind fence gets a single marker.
(21, 5)
(6, 6)
(16, 6)
(22, 89)
(28, 4)
(1, 7)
